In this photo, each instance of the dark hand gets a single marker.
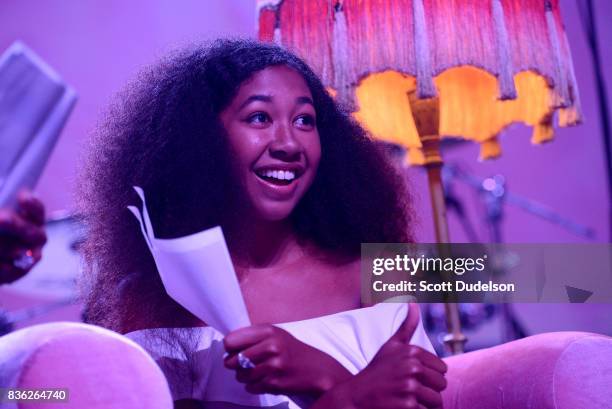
(22, 236)
(283, 364)
(400, 376)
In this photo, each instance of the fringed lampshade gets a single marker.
(413, 71)
(491, 63)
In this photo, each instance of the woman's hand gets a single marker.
(283, 365)
(400, 376)
(22, 236)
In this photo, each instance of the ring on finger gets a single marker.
(25, 261)
(245, 362)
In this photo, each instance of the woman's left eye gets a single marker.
(305, 121)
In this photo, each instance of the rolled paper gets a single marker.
(34, 106)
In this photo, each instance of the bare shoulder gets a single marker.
(317, 284)
(342, 274)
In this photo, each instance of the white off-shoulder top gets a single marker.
(192, 358)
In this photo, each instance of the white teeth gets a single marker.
(278, 174)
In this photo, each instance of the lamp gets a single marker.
(414, 70)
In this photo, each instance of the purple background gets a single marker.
(97, 46)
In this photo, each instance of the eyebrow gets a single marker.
(267, 98)
(304, 100)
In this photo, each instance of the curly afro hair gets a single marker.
(163, 133)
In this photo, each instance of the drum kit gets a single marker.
(489, 324)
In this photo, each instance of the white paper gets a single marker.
(198, 273)
(34, 105)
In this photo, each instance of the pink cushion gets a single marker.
(559, 370)
(100, 368)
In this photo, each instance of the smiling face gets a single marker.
(271, 126)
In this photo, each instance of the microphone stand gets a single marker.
(494, 195)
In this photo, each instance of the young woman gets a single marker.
(243, 135)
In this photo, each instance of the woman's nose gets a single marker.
(285, 145)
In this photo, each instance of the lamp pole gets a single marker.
(426, 114)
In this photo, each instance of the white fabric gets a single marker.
(351, 337)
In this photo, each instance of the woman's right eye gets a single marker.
(258, 118)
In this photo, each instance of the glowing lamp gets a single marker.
(412, 71)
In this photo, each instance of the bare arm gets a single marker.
(283, 364)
